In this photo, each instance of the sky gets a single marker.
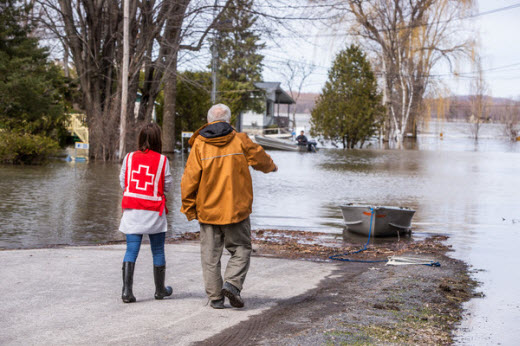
(499, 34)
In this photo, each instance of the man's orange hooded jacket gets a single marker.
(216, 186)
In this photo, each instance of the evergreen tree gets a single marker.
(31, 88)
(240, 64)
(193, 100)
(349, 108)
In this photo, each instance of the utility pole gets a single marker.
(214, 57)
(124, 77)
(214, 72)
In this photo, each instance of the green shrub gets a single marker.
(17, 148)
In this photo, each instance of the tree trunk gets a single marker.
(66, 61)
(95, 135)
(103, 134)
(133, 123)
(168, 127)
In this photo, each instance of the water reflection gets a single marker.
(61, 203)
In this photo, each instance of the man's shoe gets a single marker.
(161, 291)
(217, 304)
(128, 280)
(233, 294)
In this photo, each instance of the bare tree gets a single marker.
(92, 30)
(511, 120)
(479, 100)
(295, 74)
(200, 18)
(408, 38)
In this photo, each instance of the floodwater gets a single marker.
(465, 189)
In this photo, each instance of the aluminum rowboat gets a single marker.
(386, 221)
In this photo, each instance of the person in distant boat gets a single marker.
(301, 139)
(145, 178)
(217, 191)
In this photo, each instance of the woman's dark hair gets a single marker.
(150, 138)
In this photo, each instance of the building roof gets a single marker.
(275, 93)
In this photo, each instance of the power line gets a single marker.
(501, 9)
(459, 74)
(471, 16)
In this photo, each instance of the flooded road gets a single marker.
(469, 191)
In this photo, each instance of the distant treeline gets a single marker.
(451, 108)
(496, 109)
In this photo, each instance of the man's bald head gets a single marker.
(219, 112)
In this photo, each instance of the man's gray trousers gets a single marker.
(236, 238)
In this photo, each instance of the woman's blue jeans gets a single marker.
(133, 244)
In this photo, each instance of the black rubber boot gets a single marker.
(128, 281)
(159, 273)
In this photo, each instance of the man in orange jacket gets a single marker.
(217, 190)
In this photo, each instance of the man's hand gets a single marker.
(191, 216)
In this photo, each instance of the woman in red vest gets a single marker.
(145, 177)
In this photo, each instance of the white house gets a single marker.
(274, 96)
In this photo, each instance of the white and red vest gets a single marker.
(144, 181)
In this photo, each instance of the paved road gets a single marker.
(72, 296)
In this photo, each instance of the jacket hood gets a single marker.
(218, 133)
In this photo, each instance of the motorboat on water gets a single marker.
(386, 221)
(274, 143)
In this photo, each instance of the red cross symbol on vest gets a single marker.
(142, 177)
